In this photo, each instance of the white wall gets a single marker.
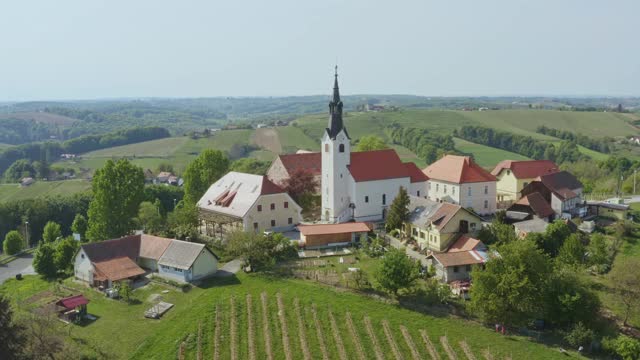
(173, 274)
(460, 194)
(372, 210)
(445, 191)
(419, 189)
(82, 267)
(280, 214)
(334, 185)
(206, 264)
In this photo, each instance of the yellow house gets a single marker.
(435, 225)
(513, 176)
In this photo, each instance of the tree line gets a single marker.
(601, 145)
(427, 145)
(47, 152)
(566, 151)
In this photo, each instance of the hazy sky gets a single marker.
(104, 49)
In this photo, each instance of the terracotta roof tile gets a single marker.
(311, 162)
(268, 187)
(457, 258)
(118, 268)
(458, 170)
(415, 173)
(377, 165)
(73, 302)
(562, 183)
(327, 229)
(464, 243)
(537, 203)
(152, 247)
(527, 169)
(128, 246)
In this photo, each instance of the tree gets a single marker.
(79, 226)
(497, 233)
(511, 288)
(260, 251)
(19, 169)
(182, 222)
(572, 251)
(555, 235)
(250, 166)
(65, 251)
(371, 142)
(13, 243)
(117, 192)
(149, 217)
(568, 299)
(299, 183)
(399, 210)
(598, 251)
(397, 271)
(124, 291)
(626, 347)
(625, 279)
(12, 337)
(580, 335)
(202, 172)
(165, 167)
(44, 261)
(51, 232)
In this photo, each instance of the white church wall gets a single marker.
(368, 197)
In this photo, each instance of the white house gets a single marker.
(360, 186)
(247, 202)
(186, 261)
(459, 180)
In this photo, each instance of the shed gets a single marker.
(326, 235)
(72, 308)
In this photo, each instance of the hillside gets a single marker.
(40, 117)
(10, 192)
(143, 338)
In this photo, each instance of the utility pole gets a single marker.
(26, 233)
(634, 181)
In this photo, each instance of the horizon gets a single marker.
(158, 49)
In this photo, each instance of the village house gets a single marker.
(512, 176)
(247, 202)
(163, 177)
(531, 206)
(333, 235)
(457, 262)
(101, 264)
(359, 186)
(459, 180)
(561, 190)
(285, 165)
(436, 225)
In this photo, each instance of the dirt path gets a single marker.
(268, 139)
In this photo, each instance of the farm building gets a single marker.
(101, 264)
(247, 202)
(327, 235)
(613, 210)
(512, 176)
(72, 308)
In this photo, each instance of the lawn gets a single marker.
(123, 331)
(9, 192)
(486, 156)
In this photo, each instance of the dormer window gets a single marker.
(341, 148)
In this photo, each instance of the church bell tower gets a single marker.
(336, 157)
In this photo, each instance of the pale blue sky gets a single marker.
(89, 49)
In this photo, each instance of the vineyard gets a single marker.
(262, 326)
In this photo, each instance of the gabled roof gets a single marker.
(329, 229)
(246, 188)
(128, 246)
(117, 269)
(73, 302)
(465, 243)
(152, 247)
(182, 254)
(527, 169)
(424, 212)
(458, 170)
(537, 203)
(377, 165)
(458, 258)
(415, 173)
(562, 183)
(311, 162)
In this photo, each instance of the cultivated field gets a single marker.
(486, 156)
(9, 192)
(257, 317)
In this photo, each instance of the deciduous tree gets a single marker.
(44, 260)
(63, 257)
(118, 191)
(397, 271)
(371, 142)
(13, 243)
(301, 182)
(149, 217)
(572, 251)
(79, 226)
(51, 232)
(202, 172)
(260, 251)
(12, 337)
(625, 280)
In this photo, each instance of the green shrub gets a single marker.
(579, 335)
(13, 243)
(624, 346)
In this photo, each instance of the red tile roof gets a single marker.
(330, 229)
(562, 183)
(152, 247)
(528, 169)
(117, 269)
(415, 173)
(311, 162)
(537, 203)
(457, 258)
(128, 246)
(377, 165)
(464, 243)
(73, 302)
(444, 214)
(268, 187)
(458, 170)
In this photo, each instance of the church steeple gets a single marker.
(335, 111)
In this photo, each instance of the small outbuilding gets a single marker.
(72, 308)
(329, 235)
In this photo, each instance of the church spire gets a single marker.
(335, 110)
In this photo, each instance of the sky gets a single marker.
(79, 49)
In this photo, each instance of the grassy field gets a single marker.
(290, 324)
(486, 156)
(9, 192)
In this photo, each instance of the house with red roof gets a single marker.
(459, 180)
(360, 186)
(561, 190)
(285, 165)
(512, 176)
(247, 202)
(457, 262)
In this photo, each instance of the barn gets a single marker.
(328, 235)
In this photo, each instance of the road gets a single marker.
(412, 253)
(21, 265)
(229, 268)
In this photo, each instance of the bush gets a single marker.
(624, 346)
(13, 243)
(182, 286)
(579, 335)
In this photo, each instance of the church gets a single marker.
(360, 186)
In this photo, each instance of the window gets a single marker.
(468, 268)
(273, 223)
(486, 189)
(82, 256)
(437, 187)
(273, 206)
(429, 185)
(473, 226)
(286, 204)
(341, 148)
(366, 199)
(255, 226)
(445, 189)
(453, 190)
(421, 235)
(418, 193)
(259, 207)
(455, 269)
(469, 191)
(384, 199)
(326, 147)
(290, 221)
(340, 175)
(486, 204)
(414, 231)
